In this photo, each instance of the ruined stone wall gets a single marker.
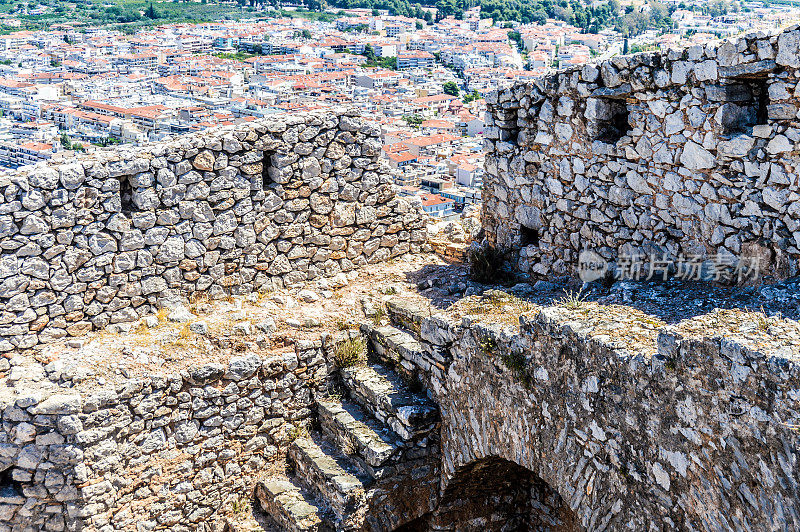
(696, 437)
(610, 423)
(101, 238)
(576, 420)
(161, 452)
(690, 151)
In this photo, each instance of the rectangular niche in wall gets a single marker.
(10, 488)
(745, 104)
(608, 119)
(126, 195)
(528, 236)
(266, 164)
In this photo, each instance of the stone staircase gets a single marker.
(377, 430)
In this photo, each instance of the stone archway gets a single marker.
(494, 494)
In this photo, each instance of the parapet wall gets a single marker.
(691, 151)
(617, 420)
(158, 452)
(583, 417)
(102, 238)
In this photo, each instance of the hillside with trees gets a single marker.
(590, 17)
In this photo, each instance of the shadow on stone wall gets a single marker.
(494, 494)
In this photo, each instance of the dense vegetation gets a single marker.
(591, 17)
(450, 88)
(375, 61)
(236, 56)
(131, 15)
(396, 7)
(581, 14)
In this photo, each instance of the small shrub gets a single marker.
(763, 321)
(486, 264)
(350, 352)
(488, 345)
(240, 506)
(380, 313)
(199, 297)
(263, 294)
(297, 431)
(572, 301)
(516, 362)
(342, 324)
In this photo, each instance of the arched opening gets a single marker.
(10, 489)
(494, 494)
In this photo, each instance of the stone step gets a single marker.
(406, 314)
(384, 395)
(291, 507)
(333, 477)
(371, 444)
(393, 345)
(257, 521)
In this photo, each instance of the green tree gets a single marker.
(151, 12)
(413, 120)
(369, 53)
(450, 88)
(418, 25)
(472, 97)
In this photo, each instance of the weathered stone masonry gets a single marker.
(102, 238)
(455, 424)
(156, 452)
(577, 431)
(689, 151)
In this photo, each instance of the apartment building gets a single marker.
(126, 63)
(412, 60)
(14, 155)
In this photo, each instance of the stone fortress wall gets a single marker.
(691, 151)
(553, 425)
(100, 239)
(576, 419)
(154, 452)
(679, 427)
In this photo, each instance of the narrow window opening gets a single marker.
(266, 164)
(608, 119)
(762, 92)
(617, 125)
(747, 107)
(126, 196)
(530, 237)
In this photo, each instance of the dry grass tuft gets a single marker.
(571, 301)
(486, 264)
(350, 352)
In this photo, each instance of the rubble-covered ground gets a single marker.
(626, 314)
(200, 329)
